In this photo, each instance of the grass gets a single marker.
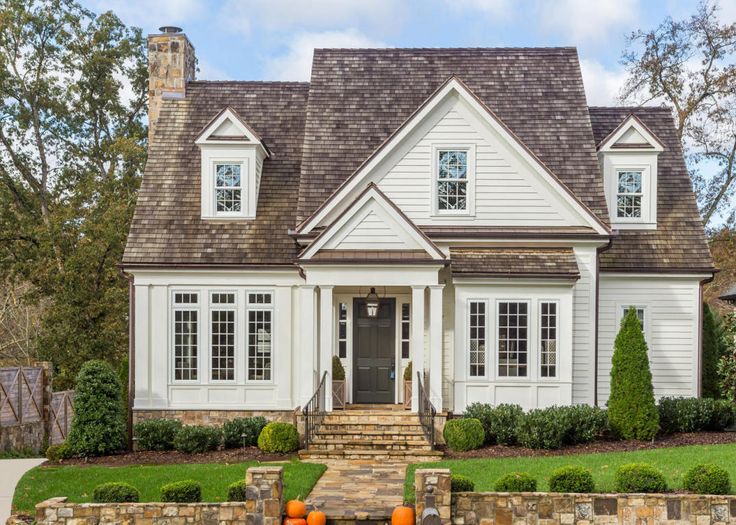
(673, 462)
(78, 482)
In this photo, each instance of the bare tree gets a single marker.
(19, 324)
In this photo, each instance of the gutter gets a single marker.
(599, 251)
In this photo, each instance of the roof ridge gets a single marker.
(249, 82)
(633, 108)
(539, 49)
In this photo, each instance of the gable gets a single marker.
(511, 188)
(631, 134)
(227, 127)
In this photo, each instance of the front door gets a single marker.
(374, 353)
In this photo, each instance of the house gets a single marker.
(464, 210)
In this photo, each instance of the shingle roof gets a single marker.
(358, 98)
(514, 262)
(678, 243)
(167, 228)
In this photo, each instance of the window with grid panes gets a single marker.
(548, 339)
(260, 337)
(186, 336)
(222, 336)
(477, 338)
(513, 339)
(452, 180)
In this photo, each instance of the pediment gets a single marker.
(227, 127)
(631, 135)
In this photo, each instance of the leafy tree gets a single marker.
(632, 413)
(73, 89)
(727, 364)
(690, 65)
(714, 347)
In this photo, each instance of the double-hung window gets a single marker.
(452, 181)
(228, 188)
(513, 339)
(477, 338)
(222, 336)
(629, 194)
(548, 329)
(186, 336)
(260, 336)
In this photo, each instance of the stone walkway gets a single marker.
(359, 489)
(11, 470)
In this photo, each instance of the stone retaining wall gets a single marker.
(263, 506)
(537, 508)
(214, 417)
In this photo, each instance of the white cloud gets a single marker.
(246, 16)
(209, 71)
(296, 64)
(496, 8)
(150, 15)
(602, 86)
(581, 21)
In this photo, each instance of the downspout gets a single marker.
(599, 251)
(131, 355)
(699, 379)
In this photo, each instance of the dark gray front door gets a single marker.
(374, 352)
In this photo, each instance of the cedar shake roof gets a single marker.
(678, 243)
(358, 98)
(514, 262)
(167, 228)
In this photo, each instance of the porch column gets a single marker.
(435, 345)
(306, 347)
(326, 332)
(417, 341)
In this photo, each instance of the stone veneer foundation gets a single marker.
(536, 508)
(215, 417)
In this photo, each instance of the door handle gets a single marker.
(392, 373)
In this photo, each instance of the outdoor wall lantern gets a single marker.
(371, 303)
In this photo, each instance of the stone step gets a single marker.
(386, 418)
(374, 435)
(368, 444)
(396, 428)
(409, 456)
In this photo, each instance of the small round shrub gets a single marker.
(156, 434)
(463, 434)
(278, 437)
(236, 491)
(115, 492)
(58, 452)
(499, 423)
(515, 482)
(707, 479)
(243, 431)
(542, 429)
(571, 479)
(461, 483)
(195, 439)
(639, 477)
(187, 491)
(338, 371)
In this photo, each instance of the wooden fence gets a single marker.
(62, 410)
(21, 395)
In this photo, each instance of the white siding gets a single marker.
(583, 363)
(507, 192)
(672, 316)
(371, 232)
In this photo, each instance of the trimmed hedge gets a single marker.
(187, 491)
(460, 483)
(499, 422)
(115, 492)
(156, 434)
(463, 434)
(639, 477)
(707, 479)
(691, 414)
(236, 491)
(542, 428)
(195, 439)
(279, 437)
(516, 482)
(243, 431)
(58, 452)
(571, 479)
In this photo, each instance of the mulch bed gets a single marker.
(675, 440)
(235, 455)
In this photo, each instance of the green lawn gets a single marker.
(77, 482)
(673, 462)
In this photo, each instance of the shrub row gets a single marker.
(170, 434)
(186, 491)
(690, 414)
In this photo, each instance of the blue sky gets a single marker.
(273, 39)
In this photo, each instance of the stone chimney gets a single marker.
(171, 64)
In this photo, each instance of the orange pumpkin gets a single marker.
(296, 509)
(316, 517)
(295, 521)
(402, 515)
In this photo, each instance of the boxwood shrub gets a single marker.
(516, 482)
(58, 452)
(243, 431)
(236, 491)
(707, 479)
(639, 477)
(187, 491)
(463, 434)
(195, 439)
(115, 492)
(461, 483)
(584, 424)
(571, 479)
(156, 434)
(499, 422)
(278, 437)
(691, 414)
(542, 429)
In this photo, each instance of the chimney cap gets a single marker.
(170, 29)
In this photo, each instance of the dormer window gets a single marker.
(228, 188)
(629, 194)
(453, 180)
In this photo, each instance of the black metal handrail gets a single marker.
(426, 411)
(314, 412)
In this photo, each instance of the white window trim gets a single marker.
(260, 307)
(173, 307)
(556, 377)
(470, 190)
(531, 374)
(212, 307)
(488, 344)
(645, 193)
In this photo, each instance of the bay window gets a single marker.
(513, 339)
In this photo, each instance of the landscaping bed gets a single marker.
(165, 457)
(78, 482)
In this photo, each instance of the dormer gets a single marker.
(628, 160)
(232, 162)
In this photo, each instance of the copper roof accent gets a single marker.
(514, 262)
(678, 243)
(372, 257)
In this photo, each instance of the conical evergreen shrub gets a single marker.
(632, 413)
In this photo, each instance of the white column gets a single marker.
(326, 333)
(417, 341)
(435, 345)
(307, 337)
